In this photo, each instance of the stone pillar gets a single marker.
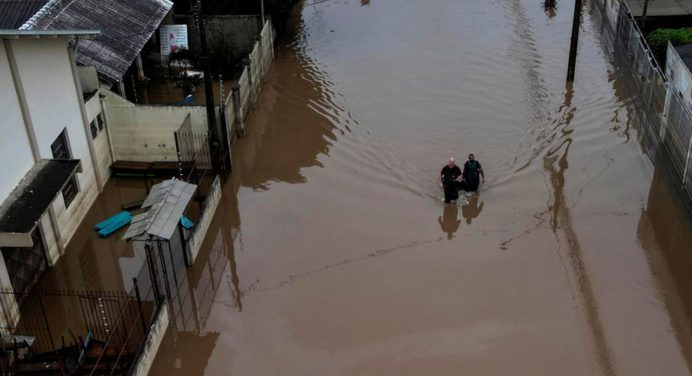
(238, 109)
(250, 84)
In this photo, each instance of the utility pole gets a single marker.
(262, 11)
(213, 134)
(646, 7)
(575, 40)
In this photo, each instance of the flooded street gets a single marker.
(332, 253)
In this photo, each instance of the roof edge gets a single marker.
(17, 34)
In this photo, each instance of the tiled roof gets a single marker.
(126, 25)
(13, 13)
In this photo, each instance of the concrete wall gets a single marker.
(225, 33)
(679, 75)
(202, 226)
(14, 143)
(152, 343)
(145, 133)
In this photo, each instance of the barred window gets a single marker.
(94, 130)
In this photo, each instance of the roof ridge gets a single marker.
(31, 23)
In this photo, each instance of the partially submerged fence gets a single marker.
(194, 242)
(79, 331)
(668, 119)
(192, 148)
(244, 94)
(97, 332)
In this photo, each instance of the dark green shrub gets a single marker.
(659, 38)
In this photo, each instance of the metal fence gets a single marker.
(667, 119)
(192, 147)
(76, 331)
(93, 332)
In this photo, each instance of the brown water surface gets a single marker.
(331, 253)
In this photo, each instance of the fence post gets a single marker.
(666, 112)
(687, 163)
(237, 107)
(152, 273)
(251, 86)
(183, 243)
(270, 30)
(139, 305)
(45, 320)
(180, 157)
(260, 63)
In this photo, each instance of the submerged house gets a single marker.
(54, 125)
(51, 175)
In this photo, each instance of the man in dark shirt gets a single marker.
(473, 173)
(450, 176)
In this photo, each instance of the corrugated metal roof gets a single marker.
(126, 25)
(14, 13)
(166, 202)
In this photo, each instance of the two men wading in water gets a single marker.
(453, 179)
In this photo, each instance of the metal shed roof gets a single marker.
(166, 202)
(126, 26)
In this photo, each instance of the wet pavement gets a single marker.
(331, 253)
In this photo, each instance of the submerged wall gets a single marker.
(145, 133)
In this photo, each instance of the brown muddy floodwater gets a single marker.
(331, 253)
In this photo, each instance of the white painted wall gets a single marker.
(15, 151)
(101, 142)
(680, 76)
(54, 105)
(145, 133)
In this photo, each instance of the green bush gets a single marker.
(659, 38)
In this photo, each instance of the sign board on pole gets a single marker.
(173, 38)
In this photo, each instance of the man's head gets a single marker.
(471, 157)
(450, 162)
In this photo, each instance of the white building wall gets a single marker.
(101, 143)
(15, 149)
(53, 103)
